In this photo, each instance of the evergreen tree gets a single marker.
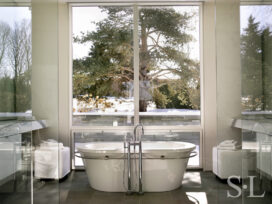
(251, 62)
(266, 41)
(256, 61)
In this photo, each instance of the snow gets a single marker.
(125, 107)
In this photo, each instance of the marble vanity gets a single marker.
(257, 137)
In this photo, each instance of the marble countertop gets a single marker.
(14, 127)
(260, 125)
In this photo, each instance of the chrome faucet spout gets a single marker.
(135, 132)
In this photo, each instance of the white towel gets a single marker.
(51, 144)
(229, 145)
(230, 148)
(228, 142)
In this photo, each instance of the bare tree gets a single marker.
(4, 41)
(20, 54)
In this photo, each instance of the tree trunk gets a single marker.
(15, 83)
(143, 106)
(14, 92)
(143, 64)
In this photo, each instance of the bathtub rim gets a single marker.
(184, 148)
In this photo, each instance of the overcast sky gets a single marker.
(262, 14)
(11, 15)
(82, 22)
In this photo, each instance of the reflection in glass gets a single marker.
(256, 61)
(15, 96)
(256, 64)
(169, 65)
(103, 66)
(15, 59)
(15, 170)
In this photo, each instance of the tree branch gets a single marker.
(127, 69)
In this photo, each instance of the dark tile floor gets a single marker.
(197, 187)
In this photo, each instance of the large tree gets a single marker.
(256, 66)
(266, 44)
(4, 41)
(19, 56)
(164, 43)
(251, 58)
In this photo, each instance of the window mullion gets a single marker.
(136, 63)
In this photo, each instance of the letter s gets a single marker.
(235, 187)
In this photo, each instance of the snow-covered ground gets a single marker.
(125, 107)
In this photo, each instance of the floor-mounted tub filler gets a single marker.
(135, 166)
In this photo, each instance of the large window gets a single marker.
(256, 61)
(15, 60)
(136, 64)
(169, 65)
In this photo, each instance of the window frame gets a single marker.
(180, 128)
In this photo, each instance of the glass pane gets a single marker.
(48, 157)
(227, 153)
(28, 83)
(103, 66)
(15, 61)
(15, 170)
(15, 104)
(256, 61)
(169, 65)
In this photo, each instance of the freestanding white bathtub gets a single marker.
(164, 164)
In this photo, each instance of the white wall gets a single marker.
(50, 74)
(64, 66)
(209, 79)
(228, 68)
(222, 73)
(45, 88)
